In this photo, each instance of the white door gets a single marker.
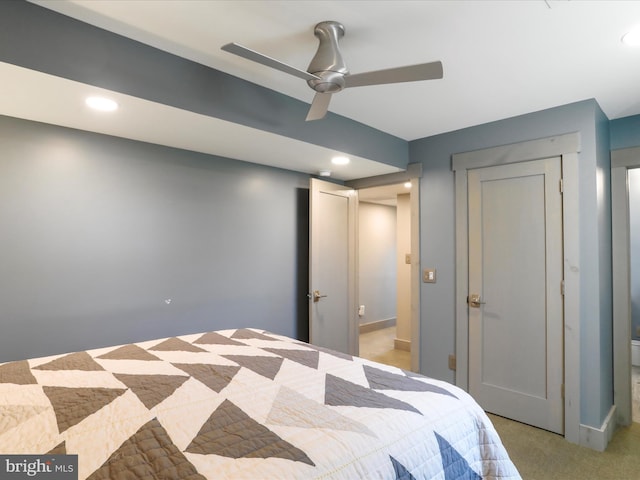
(332, 269)
(515, 291)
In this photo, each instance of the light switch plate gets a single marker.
(429, 275)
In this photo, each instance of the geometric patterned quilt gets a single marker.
(243, 404)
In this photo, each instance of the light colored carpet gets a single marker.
(378, 346)
(541, 455)
(538, 454)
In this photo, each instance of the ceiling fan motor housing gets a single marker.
(328, 63)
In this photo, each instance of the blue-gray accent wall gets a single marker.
(625, 132)
(107, 241)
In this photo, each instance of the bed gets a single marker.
(243, 404)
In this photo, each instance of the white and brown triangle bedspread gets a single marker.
(243, 404)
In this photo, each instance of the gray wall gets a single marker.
(377, 261)
(625, 132)
(99, 232)
(600, 346)
(437, 217)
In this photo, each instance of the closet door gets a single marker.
(516, 291)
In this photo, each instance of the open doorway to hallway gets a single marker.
(378, 345)
(634, 269)
(384, 272)
(625, 235)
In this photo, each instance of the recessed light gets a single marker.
(101, 103)
(632, 38)
(340, 160)
(324, 173)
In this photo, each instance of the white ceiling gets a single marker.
(501, 58)
(385, 195)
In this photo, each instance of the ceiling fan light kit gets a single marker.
(328, 73)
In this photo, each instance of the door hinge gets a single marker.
(561, 186)
(562, 288)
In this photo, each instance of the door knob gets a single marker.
(475, 301)
(317, 296)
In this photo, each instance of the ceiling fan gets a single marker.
(328, 74)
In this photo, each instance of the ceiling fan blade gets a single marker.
(411, 73)
(319, 106)
(258, 57)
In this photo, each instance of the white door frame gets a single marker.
(621, 161)
(567, 147)
(413, 175)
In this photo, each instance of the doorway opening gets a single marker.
(625, 219)
(633, 176)
(384, 274)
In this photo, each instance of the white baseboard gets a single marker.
(598, 438)
(400, 344)
(635, 353)
(377, 325)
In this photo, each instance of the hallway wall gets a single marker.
(377, 261)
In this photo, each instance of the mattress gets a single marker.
(243, 404)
